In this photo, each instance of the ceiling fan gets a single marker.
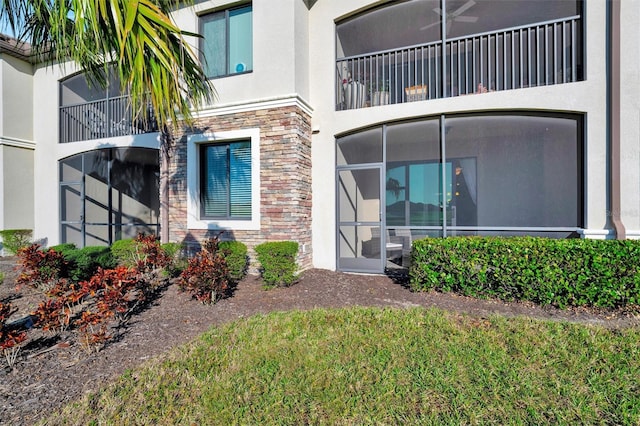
(456, 15)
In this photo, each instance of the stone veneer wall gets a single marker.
(285, 178)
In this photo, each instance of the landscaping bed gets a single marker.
(49, 374)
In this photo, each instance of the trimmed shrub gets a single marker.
(569, 272)
(235, 253)
(144, 253)
(83, 263)
(125, 252)
(64, 247)
(207, 276)
(177, 261)
(15, 239)
(278, 261)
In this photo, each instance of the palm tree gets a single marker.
(136, 37)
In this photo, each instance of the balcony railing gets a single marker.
(535, 55)
(105, 118)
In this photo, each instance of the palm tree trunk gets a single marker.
(164, 183)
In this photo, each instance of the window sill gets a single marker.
(223, 225)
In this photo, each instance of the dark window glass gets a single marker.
(515, 170)
(227, 44)
(225, 191)
(407, 23)
(361, 147)
(488, 171)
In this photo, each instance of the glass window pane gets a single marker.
(359, 242)
(71, 203)
(215, 180)
(377, 29)
(414, 178)
(240, 40)
(361, 147)
(240, 180)
(213, 45)
(526, 173)
(134, 186)
(72, 233)
(359, 195)
(478, 16)
(226, 180)
(71, 169)
(97, 235)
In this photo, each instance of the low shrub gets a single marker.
(207, 275)
(144, 253)
(172, 250)
(15, 239)
(64, 247)
(83, 263)
(1, 277)
(235, 253)
(569, 272)
(278, 262)
(125, 252)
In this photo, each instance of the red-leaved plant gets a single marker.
(10, 339)
(40, 269)
(150, 254)
(207, 276)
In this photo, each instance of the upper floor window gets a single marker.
(227, 44)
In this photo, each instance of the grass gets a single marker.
(381, 366)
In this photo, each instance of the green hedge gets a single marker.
(569, 272)
(83, 263)
(278, 261)
(235, 253)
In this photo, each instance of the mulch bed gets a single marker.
(51, 372)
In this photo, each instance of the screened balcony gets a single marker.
(483, 51)
(87, 112)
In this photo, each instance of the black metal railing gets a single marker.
(105, 118)
(544, 53)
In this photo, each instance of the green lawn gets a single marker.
(381, 366)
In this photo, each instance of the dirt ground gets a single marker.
(52, 372)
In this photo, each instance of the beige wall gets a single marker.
(630, 116)
(17, 171)
(280, 51)
(16, 144)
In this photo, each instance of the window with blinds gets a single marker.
(225, 182)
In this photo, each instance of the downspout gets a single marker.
(613, 116)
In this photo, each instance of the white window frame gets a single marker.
(194, 221)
